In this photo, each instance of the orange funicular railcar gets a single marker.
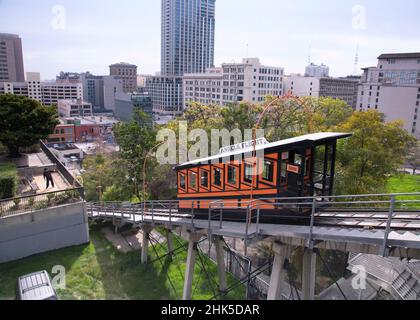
(297, 167)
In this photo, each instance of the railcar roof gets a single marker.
(301, 140)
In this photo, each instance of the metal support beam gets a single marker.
(221, 268)
(282, 252)
(146, 230)
(309, 274)
(170, 241)
(193, 239)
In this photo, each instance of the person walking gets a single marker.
(48, 177)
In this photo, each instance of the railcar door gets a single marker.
(294, 174)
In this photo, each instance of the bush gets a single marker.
(41, 205)
(8, 180)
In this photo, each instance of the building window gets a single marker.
(268, 170)
(217, 177)
(205, 179)
(232, 175)
(248, 173)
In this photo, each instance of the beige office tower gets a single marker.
(11, 58)
(128, 73)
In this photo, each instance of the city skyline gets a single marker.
(111, 32)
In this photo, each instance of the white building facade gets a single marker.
(74, 108)
(393, 88)
(338, 88)
(249, 81)
(48, 93)
(317, 71)
(301, 86)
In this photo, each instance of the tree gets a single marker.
(162, 183)
(375, 151)
(240, 116)
(106, 175)
(413, 157)
(23, 122)
(135, 141)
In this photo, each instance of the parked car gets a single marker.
(35, 286)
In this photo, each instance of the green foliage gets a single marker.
(162, 183)
(41, 205)
(375, 151)
(8, 180)
(135, 142)
(31, 202)
(116, 193)
(413, 157)
(51, 197)
(17, 203)
(106, 172)
(23, 122)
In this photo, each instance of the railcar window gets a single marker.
(283, 171)
(248, 173)
(182, 182)
(298, 159)
(268, 170)
(217, 177)
(205, 179)
(193, 180)
(232, 178)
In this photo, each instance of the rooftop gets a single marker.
(413, 55)
(123, 64)
(310, 138)
(92, 120)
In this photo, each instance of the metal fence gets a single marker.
(388, 204)
(30, 203)
(60, 167)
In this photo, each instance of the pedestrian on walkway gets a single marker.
(48, 177)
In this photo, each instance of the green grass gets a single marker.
(98, 271)
(8, 180)
(405, 183)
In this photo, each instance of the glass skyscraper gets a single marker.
(187, 36)
(188, 28)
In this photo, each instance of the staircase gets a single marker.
(400, 277)
(407, 286)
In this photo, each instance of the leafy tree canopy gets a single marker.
(23, 122)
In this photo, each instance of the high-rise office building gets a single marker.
(188, 29)
(187, 36)
(11, 58)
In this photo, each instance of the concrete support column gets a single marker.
(281, 253)
(146, 230)
(170, 241)
(220, 259)
(193, 239)
(309, 274)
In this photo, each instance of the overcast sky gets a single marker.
(96, 33)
